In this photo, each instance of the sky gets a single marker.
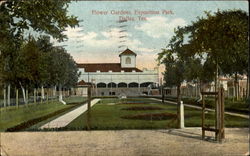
(100, 37)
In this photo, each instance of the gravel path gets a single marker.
(173, 142)
(198, 107)
(65, 119)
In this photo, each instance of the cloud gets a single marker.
(103, 46)
(109, 39)
(115, 33)
(74, 32)
(159, 26)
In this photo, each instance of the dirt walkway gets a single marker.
(198, 107)
(65, 119)
(124, 143)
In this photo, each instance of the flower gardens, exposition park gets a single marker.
(124, 78)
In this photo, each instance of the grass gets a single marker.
(75, 99)
(108, 113)
(13, 116)
(240, 106)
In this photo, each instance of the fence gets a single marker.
(195, 92)
(34, 96)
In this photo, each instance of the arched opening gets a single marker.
(112, 85)
(133, 85)
(128, 60)
(122, 85)
(101, 85)
(145, 84)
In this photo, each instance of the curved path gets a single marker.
(65, 119)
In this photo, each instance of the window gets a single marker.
(111, 93)
(128, 60)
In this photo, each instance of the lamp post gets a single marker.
(93, 81)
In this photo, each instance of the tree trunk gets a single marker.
(4, 95)
(27, 95)
(60, 95)
(248, 78)
(8, 95)
(42, 93)
(236, 87)
(196, 89)
(47, 95)
(162, 94)
(35, 95)
(24, 95)
(54, 91)
(23, 91)
(71, 91)
(247, 87)
(216, 76)
(178, 106)
(17, 99)
(200, 90)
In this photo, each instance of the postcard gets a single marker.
(124, 78)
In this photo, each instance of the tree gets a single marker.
(45, 46)
(53, 67)
(49, 17)
(62, 69)
(182, 64)
(223, 36)
(32, 65)
(173, 75)
(17, 17)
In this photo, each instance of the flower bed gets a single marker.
(29, 123)
(143, 108)
(156, 116)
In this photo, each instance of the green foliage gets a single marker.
(62, 68)
(174, 74)
(241, 106)
(49, 17)
(174, 67)
(109, 117)
(29, 63)
(24, 60)
(224, 37)
(13, 117)
(38, 63)
(217, 39)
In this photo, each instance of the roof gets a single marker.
(83, 83)
(127, 52)
(105, 67)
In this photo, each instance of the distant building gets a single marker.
(118, 78)
(227, 83)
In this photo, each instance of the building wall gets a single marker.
(118, 77)
(81, 91)
(119, 91)
(123, 61)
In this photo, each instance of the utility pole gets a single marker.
(89, 109)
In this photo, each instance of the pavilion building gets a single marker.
(118, 78)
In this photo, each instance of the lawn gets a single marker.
(13, 116)
(75, 99)
(112, 114)
(240, 106)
